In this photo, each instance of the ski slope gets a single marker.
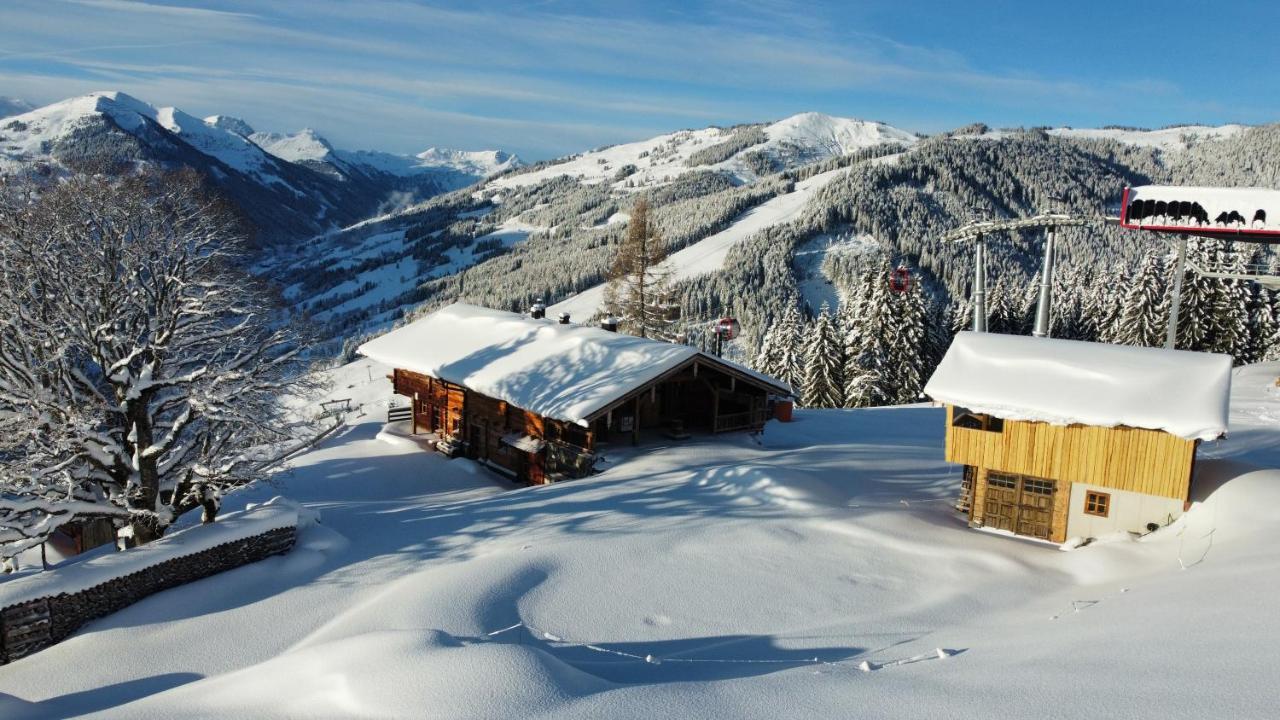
(815, 574)
(708, 255)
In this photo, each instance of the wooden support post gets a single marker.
(715, 408)
(415, 414)
(635, 423)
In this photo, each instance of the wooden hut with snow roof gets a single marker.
(1064, 439)
(535, 398)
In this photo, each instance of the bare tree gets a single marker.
(140, 372)
(639, 289)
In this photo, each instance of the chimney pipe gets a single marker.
(610, 323)
(538, 311)
(564, 318)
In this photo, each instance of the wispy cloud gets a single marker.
(536, 78)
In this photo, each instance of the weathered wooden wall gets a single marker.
(1135, 459)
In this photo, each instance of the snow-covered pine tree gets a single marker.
(909, 348)
(139, 372)
(639, 288)
(790, 353)
(1067, 321)
(1004, 315)
(959, 315)
(1232, 298)
(766, 359)
(1196, 308)
(1144, 307)
(1102, 306)
(1029, 300)
(870, 379)
(823, 363)
(1266, 319)
(1263, 326)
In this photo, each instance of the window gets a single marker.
(1001, 480)
(1097, 503)
(1036, 486)
(962, 417)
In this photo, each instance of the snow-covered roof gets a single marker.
(1199, 210)
(566, 372)
(1066, 382)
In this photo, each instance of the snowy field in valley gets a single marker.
(815, 573)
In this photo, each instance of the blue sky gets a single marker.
(548, 78)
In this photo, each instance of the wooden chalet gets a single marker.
(536, 399)
(1062, 439)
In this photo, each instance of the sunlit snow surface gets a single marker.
(714, 578)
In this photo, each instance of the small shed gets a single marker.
(1060, 438)
(536, 399)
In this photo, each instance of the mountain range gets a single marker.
(757, 216)
(289, 186)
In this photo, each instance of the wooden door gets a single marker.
(1000, 509)
(1035, 508)
(477, 444)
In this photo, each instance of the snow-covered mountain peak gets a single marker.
(473, 162)
(792, 142)
(230, 124)
(836, 135)
(302, 146)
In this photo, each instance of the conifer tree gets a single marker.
(908, 342)
(790, 360)
(1230, 313)
(1144, 310)
(870, 379)
(639, 288)
(824, 363)
(1195, 313)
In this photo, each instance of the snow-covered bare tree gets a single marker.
(639, 289)
(140, 375)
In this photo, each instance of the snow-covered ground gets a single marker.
(712, 578)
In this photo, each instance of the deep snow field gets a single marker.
(814, 573)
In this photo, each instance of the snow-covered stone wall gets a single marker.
(44, 609)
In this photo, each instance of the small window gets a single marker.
(1036, 486)
(962, 417)
(1097, 503)
(1001, 480)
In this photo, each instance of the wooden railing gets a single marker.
(740, 421)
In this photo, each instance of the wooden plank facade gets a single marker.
(695, 396)
(1021, 476)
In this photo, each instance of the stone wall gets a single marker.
(34, 625)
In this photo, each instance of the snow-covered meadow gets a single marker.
(815, 573)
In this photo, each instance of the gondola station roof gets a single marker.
(571, 373)
(1067, 382)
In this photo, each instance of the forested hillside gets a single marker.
(542, 234)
